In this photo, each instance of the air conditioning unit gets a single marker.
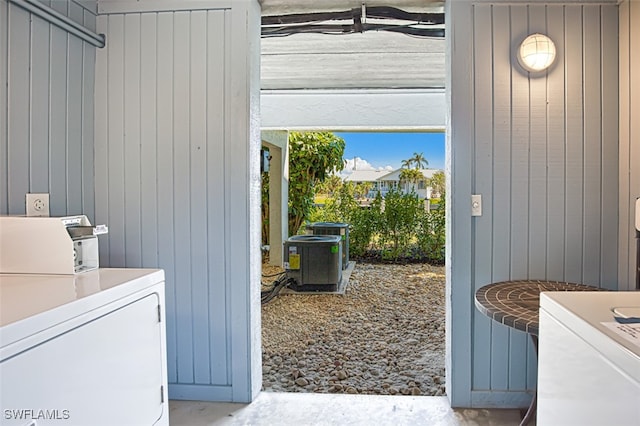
(314, 262)
(333, 228)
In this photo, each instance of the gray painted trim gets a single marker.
(200, 392)
(458, 172)
(500, 399)
(243, 208)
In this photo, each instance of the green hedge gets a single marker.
(394, 228)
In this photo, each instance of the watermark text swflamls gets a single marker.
(36, 414)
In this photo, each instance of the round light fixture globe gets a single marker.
(536, 53)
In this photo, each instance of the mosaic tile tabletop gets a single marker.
(516, 303)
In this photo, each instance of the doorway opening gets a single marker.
(366, 81)
(386, 334)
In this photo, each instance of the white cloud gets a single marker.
(360, 164)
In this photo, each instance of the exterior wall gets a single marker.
(178, 180)
(46, 110)
(543, 153)
(629, 138)
(278, 143)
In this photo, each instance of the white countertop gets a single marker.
(584, 313)
(29, 303)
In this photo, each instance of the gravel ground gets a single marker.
(384, 336)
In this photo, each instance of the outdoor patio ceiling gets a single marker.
(356, 20)
(334, 54)
(275, 7)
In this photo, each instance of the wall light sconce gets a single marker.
(536, 53)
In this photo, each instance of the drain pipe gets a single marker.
(58, 19)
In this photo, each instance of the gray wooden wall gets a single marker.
(629, 139)
(543, 153)
(177, 179)
(46, 110)
(550, 189)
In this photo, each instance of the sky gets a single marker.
(385, 151)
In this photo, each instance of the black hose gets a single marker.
(268, 295)
(274, 275)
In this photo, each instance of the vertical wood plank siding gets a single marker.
(4, 74)
(161, 176)
(459, 258)
(629, 178)
(543, 150)
(46, 111)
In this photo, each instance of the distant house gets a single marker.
(392, 180)
(383, 181)
(368, 176)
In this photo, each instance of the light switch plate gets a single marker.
(476, 205)
(37, 204)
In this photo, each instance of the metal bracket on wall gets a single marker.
(58, 19)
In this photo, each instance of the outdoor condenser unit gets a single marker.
(314, 262)
(333, 228)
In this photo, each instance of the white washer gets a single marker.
(85, 349)
(587, 373)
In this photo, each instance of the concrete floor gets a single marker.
(302, 409)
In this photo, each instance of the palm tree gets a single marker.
(418, 160)
(406, 164)
(362, 189)
(330, 185)
(411, 177)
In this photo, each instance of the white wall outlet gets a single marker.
(37, 204)
(476, 205)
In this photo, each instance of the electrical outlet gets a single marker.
(37, 204)
(476, 205)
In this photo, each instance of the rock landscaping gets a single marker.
(384, 336)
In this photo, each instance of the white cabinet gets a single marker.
(97, 357)
(587, 374)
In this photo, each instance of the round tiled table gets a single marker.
(516, 304)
